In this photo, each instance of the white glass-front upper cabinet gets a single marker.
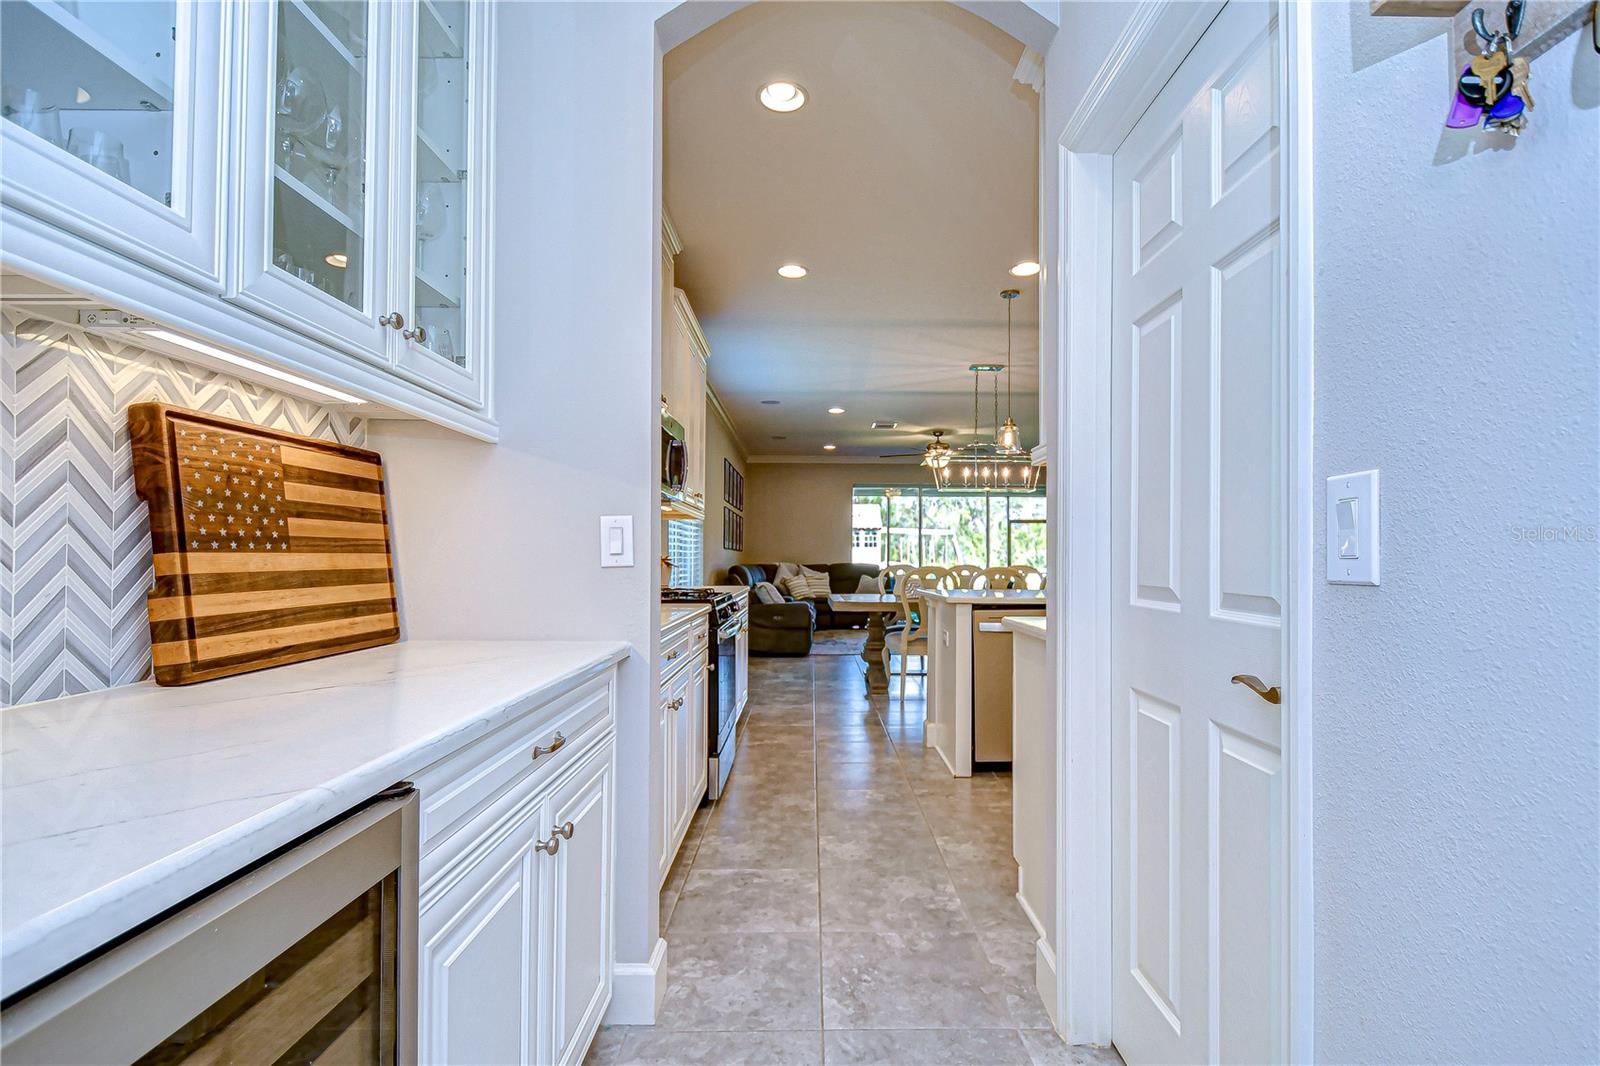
(315, 112)
(441, 194)
(112, 129)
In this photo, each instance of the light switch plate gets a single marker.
(616, 540)
(1353, 529)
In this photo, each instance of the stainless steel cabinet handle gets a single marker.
(394, 320)
(549, 847)
(1272, 695)
(420, 334)
(673, 654)
(565, 829)
(673, 705)
(555, 746)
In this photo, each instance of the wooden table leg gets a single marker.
(872, 654)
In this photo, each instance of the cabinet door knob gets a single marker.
(673, 654)
(394, 320)
(549, 847)
(420, 334)
(555, 746)
(565, 829)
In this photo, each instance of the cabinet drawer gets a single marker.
(679, 650)
(456, 788)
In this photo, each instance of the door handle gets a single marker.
(1272, 695)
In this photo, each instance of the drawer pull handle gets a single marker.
(673, 654)
(555, 746)
(549, 847)
(565, 829)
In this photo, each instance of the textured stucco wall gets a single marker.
(1456, 724)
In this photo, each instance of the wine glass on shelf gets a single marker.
(431, 211)
(302, 109)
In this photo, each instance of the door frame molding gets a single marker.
(1159, 34)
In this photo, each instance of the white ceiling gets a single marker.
(907, 185)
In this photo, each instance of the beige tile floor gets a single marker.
(846, 900)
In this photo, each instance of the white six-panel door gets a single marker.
(1197, 560)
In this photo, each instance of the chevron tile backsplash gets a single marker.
(74, 538)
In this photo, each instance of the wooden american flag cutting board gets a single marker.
(270, 547)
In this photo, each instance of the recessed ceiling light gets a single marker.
(836, 410)
(782, 96)
(770, 403)
(337, 259)
(1025, 269)
(791, 271)
(829, 447)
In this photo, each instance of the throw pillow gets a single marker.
(784, 570)
(867, 584)
(767, 592)
(807, 585)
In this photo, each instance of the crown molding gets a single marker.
(671, 243)
(727, 420)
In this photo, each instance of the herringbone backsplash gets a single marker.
(74, 539)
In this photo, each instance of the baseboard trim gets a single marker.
(1044, 975)
(1044, 960)
(1033, 919)
(637, 988)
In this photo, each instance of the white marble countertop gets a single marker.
(677, 615)
(984, 597)
(116, 805)
(1024, 625)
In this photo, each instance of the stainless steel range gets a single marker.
(729, 615)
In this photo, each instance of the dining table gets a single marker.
(877, 607)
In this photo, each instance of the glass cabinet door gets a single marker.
(111, 119)
(443, 335)
(319, 144)
(313, 243)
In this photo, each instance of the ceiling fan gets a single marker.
(933, 454)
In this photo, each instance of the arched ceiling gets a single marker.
(907, 185)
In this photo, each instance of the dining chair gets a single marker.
(931, 576)
(1004, 577)
(961, 576)
(1032, 577)
(891, 574)
(912, 636)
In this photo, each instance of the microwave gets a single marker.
(674, 455)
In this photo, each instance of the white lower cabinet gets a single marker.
(479, 951)
(579, 889)
(685, 746)
(515, 926)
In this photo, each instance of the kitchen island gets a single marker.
(969, 674)
(1033, 792)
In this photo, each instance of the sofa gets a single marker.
(786, 628)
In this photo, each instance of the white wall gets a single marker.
(800, 512)
(502, 541)
(1456, 828)
(1455, 787)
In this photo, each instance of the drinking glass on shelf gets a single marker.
(443, 346)
(37, 119)
(100, 150)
